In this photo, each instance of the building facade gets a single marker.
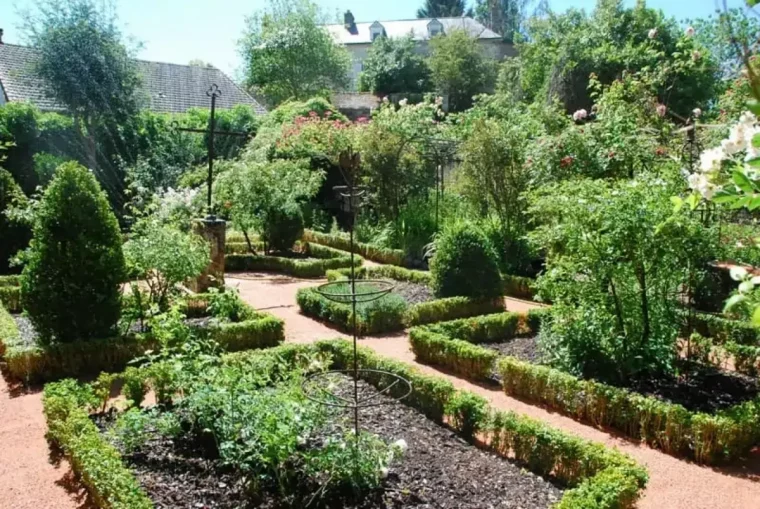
(358, 37)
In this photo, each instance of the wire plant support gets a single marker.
(318, 386)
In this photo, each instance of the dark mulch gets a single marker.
(413, 293)
(27, 333)
(698, 388)
(438, 470)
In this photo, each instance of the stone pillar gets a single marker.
(214, 230)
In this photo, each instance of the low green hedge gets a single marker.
(421, 277)
(723, 330)
(600, 478)
(10, 280)
(327, 259)
(97, 463)
(518, 286)
(707, 438)
(370, 252)
(389, 319)
(33, 363)
(242, 247)
(10, 297)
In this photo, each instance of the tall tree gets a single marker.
(392, 65)
(288, 54)
(86, 66)
(443, 9)
(504, 17)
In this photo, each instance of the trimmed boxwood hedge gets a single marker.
(328, 258)
(518, 286)
(33, 363)
(598, 477)
(10, 293)
(708, 438)
(368, 251)
(421, 277)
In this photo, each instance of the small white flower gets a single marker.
(652, 33)
(689, 32)
(710, 160)
(385, 99)
(697, 112)
(384, 472)
(738, 273)
(439, 100)
(746, 287)
(403, 102)
(400, 444)
(755, 280)
(580, 115)
(300, 440)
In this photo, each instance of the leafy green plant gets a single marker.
(468, 413)
(15, 236)
(226, 304)
(282, 228)
(465, 264)
(70, 283)
(392, 65)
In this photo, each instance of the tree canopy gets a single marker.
(393, 66)
(288, 55)
(443, 9)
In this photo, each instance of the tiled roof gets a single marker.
(418, 28)
(165, 88)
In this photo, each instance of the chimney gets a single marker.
(1, 35)
(348, 22)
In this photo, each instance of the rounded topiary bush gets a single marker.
(70, 284)
(465, 264)
(282, 228)
(13, 236)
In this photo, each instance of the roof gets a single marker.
(416, 27)
(167, 88)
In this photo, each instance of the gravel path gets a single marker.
(674, 483)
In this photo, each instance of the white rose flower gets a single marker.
(580, 115)
(738, 273)
(384, 472)
(746, 287)
(403, 102)
(710, 159)
(689, 32)
(697, 112)
(652, 33)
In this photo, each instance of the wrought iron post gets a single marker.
(213, 92)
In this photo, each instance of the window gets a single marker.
(435, 27)
(375, 31)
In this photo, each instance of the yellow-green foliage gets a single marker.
(420, 277)
(327, 259)
(10, 293)
(8, 330)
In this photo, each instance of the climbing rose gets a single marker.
(652, 33)
(689, 32)
(580, 115)
(661, 110)
(697, 112)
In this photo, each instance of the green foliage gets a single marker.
(8, 330)
(503, 17)
(374, 253)
(227, 304)
(468, 413)
(289, 55)
(289, 111)
(282, 228)
(383, 272)
(460, 357)
(634, 255)
(97, 463)
(392, 65)
(451, 308)
(518, 286)
(443, 9)
(164, 256)
(465, 264)
(722, 32)
(70, 284)
(323, 259)
(460, 69)
(562, 50)
(15, 236)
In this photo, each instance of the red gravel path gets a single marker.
(674, 483)
(28, 478)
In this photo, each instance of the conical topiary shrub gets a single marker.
(465, 264)
(70, 284)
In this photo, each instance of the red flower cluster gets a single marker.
(566, 161)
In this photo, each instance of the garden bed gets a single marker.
(28, 361)
(721, 424)
(410, 303)
(437, 469)
(306, 261)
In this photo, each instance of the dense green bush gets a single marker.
(282, 228)
(15, 236)
(374, 253)
(70, 284)
(393, 65)
(465, 264)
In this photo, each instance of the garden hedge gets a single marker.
(315, 305)
(708, 438)
(327, 259)
(33, 363)
(722, 330)
(10, 293)
(598, 477)
(518, 286)
(368, 251)
(421, 277)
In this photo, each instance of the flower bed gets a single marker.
(368, 251)
(708, 438)
(597, 477)
(385, 315)
(32, 363)
(319, 259)
(10, 293)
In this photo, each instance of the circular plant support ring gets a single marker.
(366, 290)
(316, 387)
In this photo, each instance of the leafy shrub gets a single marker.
(282, 228)
(451, 308)
(468, 413)
(227, 304)
(70, 284)
(15, 236)
(370, 252)
(8, 330)
(164, 256)
(465, 264)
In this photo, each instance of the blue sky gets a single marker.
(181, 30)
